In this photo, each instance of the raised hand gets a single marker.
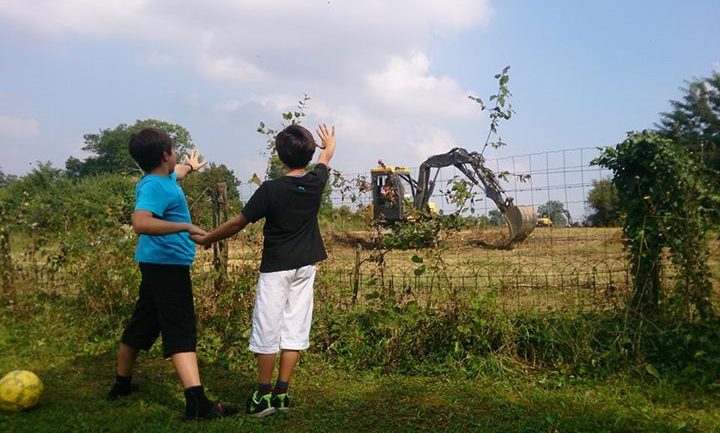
(193, 160)
(327, 136)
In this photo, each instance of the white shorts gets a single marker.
(283, 310)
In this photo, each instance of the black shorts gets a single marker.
(165, 306)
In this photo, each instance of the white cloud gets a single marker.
(274, 102)
(229, 106)
(80, 17)
(405, 84)
(156, 59)
(244, 39)
(430, 141)
(18, 127)
(363, 63)
(229, 69)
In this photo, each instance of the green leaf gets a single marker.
(372, 295)
(417, 259)
(652, 371)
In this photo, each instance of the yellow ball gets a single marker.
(19, 390)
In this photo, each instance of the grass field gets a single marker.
(48, 326)
(49, 340)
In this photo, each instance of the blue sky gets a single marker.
(393, 76)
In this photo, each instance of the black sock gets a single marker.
(123, 381)
(196, 403)
(264, 388)
(281, 387)
(122, 386)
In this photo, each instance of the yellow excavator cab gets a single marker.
(544, 221)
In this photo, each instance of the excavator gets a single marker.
(388, 191)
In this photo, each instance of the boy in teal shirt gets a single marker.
(164, 254)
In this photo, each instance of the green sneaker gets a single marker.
(259, 405)
(281, 402)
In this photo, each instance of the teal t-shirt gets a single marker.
(162, 196)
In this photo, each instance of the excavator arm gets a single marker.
(521, 220)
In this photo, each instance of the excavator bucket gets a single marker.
(521, 220)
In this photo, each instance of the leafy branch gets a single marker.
(501, 111)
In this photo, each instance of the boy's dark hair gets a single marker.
(147, 147)
(295, 146)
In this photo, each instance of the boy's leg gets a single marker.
(280, 398)
(270, 300)
(176, 315)
(123, 378)
(186, 366)
(126, 360)
(288, 360)
(140, 333)
(266, 367)
(295, 331)
(197, 405)
(259, 404)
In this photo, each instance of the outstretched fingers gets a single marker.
(326, 134)
(193, 160)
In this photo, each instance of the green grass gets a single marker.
(49, 339)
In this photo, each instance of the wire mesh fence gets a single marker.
(567, 265)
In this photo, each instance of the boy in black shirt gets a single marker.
(291, 247)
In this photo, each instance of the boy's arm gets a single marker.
(327, 136)
(189, 164)
(144, 223)
(223, 231)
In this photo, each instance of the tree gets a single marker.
(110, 148)
(495, 218)
(694, 123)
(6, 179)
(555, 210)
(603, 203)
(34, 201)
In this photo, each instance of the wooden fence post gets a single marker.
(356, 274)
(220, 249)
(6, 265)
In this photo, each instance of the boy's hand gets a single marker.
(193, 160)
(195, 230)
(201, 240)
(327, 137)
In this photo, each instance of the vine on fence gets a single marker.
(666, 205)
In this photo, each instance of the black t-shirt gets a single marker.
(290, 206)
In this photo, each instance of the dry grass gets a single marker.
(554, 268)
